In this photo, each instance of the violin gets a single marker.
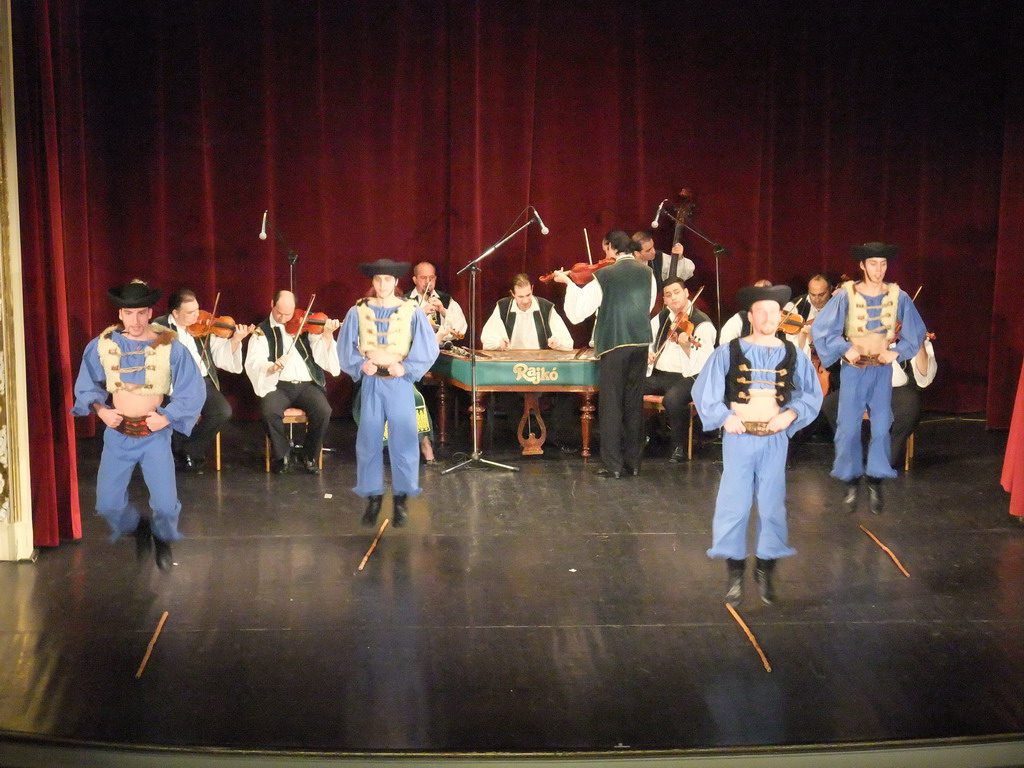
(683, 324)
(582, 272)
(791, 323)
(223, 327)
(314, 324)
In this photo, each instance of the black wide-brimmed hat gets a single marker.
(874, 251)
(385, 267)
(745, 297)
(135, 295)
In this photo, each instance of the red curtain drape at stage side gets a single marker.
(1013, 464)
(52, 217)
(421, 130)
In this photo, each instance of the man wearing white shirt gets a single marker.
(288, 371)
(624, 292)
(444, 312)
(664, 265)
(819, 291)
(210, 352)
(525, 321)
(675, 359)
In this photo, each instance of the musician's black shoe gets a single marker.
(280, 466)
(162, 550)
(850, 499)
(763, 576)
(312, 466)
(875, 501)
(734, 590)
(143, 539)
(401, 515)
(628, 471)
(372, 509)
(607, 473)
(678, 455)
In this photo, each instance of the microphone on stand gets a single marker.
(263, 231)
(657, 213)
(543, 229)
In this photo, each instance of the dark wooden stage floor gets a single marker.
(545, 611)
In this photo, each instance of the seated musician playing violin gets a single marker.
(386, 345)
(684, 339)
(858, 326)
(212, 347)
(760, 390)
(819, 291)
(153, 387)
(287, 365)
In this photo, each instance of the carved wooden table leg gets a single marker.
(586, 419)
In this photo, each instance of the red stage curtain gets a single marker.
(421, 130)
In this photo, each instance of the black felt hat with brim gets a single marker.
(874, 251)
(748, 296)
(385, 267)
(135, 295)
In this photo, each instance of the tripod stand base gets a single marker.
(475, 461)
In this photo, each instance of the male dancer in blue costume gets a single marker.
(135, 367)
(388, 345)
(761, 390)
(861, 326)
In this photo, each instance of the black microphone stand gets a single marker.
(293, 259)
(717, 250)
(475, 459)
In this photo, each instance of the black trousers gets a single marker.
(621, 373)
(310, 398)
(675, 389)
(906, 414)
(215, 414)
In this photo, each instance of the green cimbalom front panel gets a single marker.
(542, 368)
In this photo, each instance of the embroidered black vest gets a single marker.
(276, 347)
(737, 381)
(540, 318)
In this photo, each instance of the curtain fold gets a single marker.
(154, 135)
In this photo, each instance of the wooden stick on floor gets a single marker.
(750, 637)
(375, 540)
(887, 551)
(149, 648)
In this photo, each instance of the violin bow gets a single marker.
(206, 346)
(689, 309)
(305, 317)
(914, 297)
(586, 239)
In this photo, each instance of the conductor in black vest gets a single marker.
(625, 293)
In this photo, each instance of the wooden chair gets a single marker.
(292, 416)
(655, 403)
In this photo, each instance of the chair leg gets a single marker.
(689, 440)
(909, 453)
(266, 452)
(217, 444)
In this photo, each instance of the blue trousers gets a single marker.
(393, 401)
(754, 469)
(860, 390)
(117, 463)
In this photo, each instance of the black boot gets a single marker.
(875, 502)
(372, 510)
(734, 593)
(763, 576)
(401, 516)
(162, 550)
(850, 499)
